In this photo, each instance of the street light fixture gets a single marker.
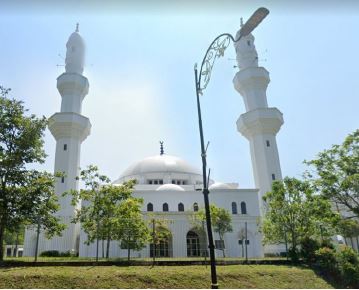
(216, 50)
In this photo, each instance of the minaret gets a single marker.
(70, 129)
(259, 124)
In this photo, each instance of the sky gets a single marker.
(139, 63)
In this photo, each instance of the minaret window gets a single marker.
(267, 142)
(180, 207)
(273, 176)
(149, 207)
(249, 42)
(243, 208)
(234, 208)
(62, 179)
(195, 206)
(65, 147)
(165, 207)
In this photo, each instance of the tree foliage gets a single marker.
(221, 221)
(337, 172)
(159, 232)
(21, 189)
(106, 208)
(294, 212)
(130, 228)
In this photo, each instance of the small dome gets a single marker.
(219, 185)
(170, 187)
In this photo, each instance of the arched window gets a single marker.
(195, 206)
(243, 208)
(165, 207)
(180, 207)
(149, 207)
(234, 208)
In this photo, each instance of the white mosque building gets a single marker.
(169, 186)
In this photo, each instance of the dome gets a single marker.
(170, 187)
(160, 164)
(75, 38)
(219, 185)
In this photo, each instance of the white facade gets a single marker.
(176, 184)
(169, 186)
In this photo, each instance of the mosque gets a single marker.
(170, 187)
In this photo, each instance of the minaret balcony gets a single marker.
(251, 78)
(72, 84)
(69, 125)
(260, 121)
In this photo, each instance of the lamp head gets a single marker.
(253, 21)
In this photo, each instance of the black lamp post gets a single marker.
(216, 50)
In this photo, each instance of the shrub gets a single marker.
(325, 257)
(55, 253)
(308, 248)
(348, 266)
(270, 255)
(327, 244)
(52, 253)
(293, 255)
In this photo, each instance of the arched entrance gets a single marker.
(193, 244)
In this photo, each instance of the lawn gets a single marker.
(238, 276)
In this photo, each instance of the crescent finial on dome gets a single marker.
(161, 148)
(77, 27)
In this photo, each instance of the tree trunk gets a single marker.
(16, 243)
(128, 249)
(37, 241)
(154, 242)
(2, 229)
(222, 242)
(108, 247)
(357, 244)
(351, 240)
(103, 248)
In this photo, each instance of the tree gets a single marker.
(349, 228)
(45, 206)
(100, 201)
(21, 143)
(159, 233)
(221, 221)
(337, 172)
(130, 228)
(294, 212)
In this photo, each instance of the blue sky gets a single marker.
(140, 58)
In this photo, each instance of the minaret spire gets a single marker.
(161, 148)
(77, 27)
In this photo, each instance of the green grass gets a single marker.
(84, 259)
(241, 276)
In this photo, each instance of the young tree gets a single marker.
(159, 233)
(221, 221)
(349, 228)
(130, 228)
(100, 201)
(21, 143)
(45, 204)
(294, 212)
(337, 170)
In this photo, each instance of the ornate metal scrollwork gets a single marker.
(215, 50)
